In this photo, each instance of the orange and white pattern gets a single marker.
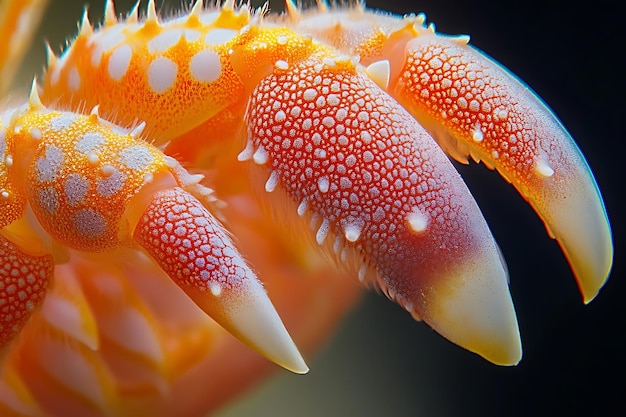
(169, 179)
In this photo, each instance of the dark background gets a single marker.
(381, 362)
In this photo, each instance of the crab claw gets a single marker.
(474, 107)
(384, 198)
(196, 252)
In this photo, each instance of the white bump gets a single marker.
(352, 232)
(323, 184)
(119, 62)
(322, 232)
(164, 41)
(161, 74)
(260, 156)
(309, 94)
(272, 182)
(205, 66)
(417, 221)
(477, 135)
(281, 64)
(219, 36)
(280, 116)
(34, 133)
(108, 169)
(302, 207)
(216, 288)
(48, 167)
(543, 169)
(62, 122)
(246, 154)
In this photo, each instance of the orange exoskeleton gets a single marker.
(163, 168)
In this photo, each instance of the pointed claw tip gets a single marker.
(472, 307)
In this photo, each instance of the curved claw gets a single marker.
(474, 107)
(196, 252)
(385, 199)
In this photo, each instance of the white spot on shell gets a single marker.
(48, 167)
(162, 74)
(323, 184)
(89, 223)
(219, 36)
(76, 187)
(302, 208)
(322, 232)
(191, 35)
(215, 288)
(34, 133)
(477, 135)
(205, 66)
(164, 41)
(136, 157)
(309, 94)
(90, 143)
(417, 221)
(352, 232)
(110, 185)
(119, 62)
(281, 64)
(260, 156)
(543, 168)
(272, 182)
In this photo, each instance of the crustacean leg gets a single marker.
(93, 187)
(475, 108)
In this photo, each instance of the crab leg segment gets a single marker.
(383, 197)
(196, 252)
(474, 107)
(24, 280)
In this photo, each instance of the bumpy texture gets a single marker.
(165, 168)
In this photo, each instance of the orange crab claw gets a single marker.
(473, 107)
(196, 252)
(384, 198)
(476, 108)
